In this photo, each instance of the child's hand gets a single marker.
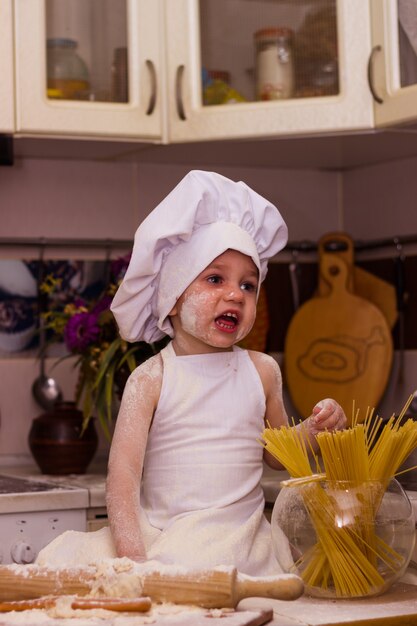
(326, 415)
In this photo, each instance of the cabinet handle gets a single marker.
(374, 52)
(152, 74)
(178, 92)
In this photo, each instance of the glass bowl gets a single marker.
(344, 539)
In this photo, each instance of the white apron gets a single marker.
(202, 502)
(201, 499)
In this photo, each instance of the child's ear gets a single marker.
(173, 311)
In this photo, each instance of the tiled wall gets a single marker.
(380, 200)
(42, 198)
(101, 199)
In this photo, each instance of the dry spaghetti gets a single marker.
(356, 464)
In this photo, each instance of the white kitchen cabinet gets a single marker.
(346, 57)
(376, 61)
(210, 33)
(394, 61)
(6, 68)
(88, 68)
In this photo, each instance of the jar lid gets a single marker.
(61, 42)
(272, 32)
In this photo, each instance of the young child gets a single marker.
(185, 463)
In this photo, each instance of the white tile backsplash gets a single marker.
(380, 200)
(52, 198)
(307, 199)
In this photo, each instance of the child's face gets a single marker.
(218, 308)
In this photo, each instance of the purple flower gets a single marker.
(82, 329)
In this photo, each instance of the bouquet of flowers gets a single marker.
(89, 331)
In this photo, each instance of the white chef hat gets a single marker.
(203, 216)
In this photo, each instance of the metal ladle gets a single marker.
(45, 389)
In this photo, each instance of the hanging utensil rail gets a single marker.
(359, 245)
(34, 242)
(305, 245)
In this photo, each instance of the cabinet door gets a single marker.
(6, 68)
(88, 68)
(393, 64)
(253, 68)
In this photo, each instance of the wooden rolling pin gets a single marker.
(121, 605)
(208, 589)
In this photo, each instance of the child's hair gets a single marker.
(203, 216)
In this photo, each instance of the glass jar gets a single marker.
(344, 539)
(217, 88)
(67, 73)
(274, 68)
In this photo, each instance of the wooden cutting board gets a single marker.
(338, 345)
(361, 283)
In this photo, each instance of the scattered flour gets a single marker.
(63, 615)
(73, 548)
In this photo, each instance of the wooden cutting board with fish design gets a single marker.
(338, 345)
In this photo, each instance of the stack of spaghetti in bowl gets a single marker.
(349, 524)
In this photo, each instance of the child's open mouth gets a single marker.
(227, 322)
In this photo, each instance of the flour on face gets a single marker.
(191, 315)
(218, 308)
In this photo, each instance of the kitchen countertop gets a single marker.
(92, 484)
(95, 484)
(398, 606)
(43, 495)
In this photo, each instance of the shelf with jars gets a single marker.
(89, 68)
(303, 68)
(183, 71)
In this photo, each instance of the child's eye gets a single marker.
(248, 286)
(214, 279)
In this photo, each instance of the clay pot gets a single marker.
(56, 444)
